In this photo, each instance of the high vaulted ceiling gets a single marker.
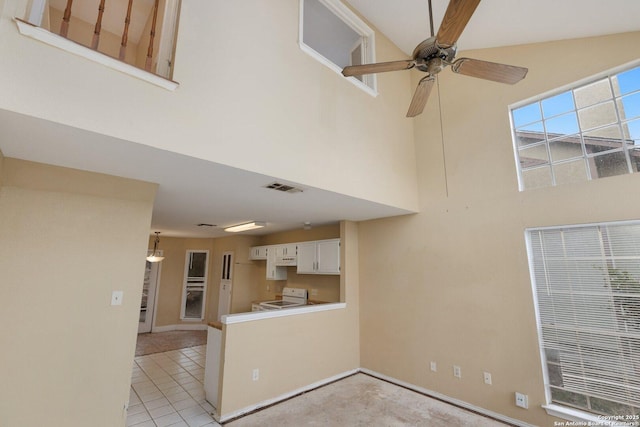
(503, 22)
(186, 195)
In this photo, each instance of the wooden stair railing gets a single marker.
(125, 33)
(96, 32)
(64, 26)
(152, 35)
(66, 18)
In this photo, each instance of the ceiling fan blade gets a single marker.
(420, 96)
(500, 73)
(455, 19)
(380, 67)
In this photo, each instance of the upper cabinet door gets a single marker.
(258, 252)
(328, 257)
(307, 258)
(319, 257)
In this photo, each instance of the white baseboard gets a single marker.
(180, 327)
(421, 390)
(269, 402)
(444, 398)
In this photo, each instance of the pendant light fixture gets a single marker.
(154, 257)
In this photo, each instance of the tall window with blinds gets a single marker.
(586, 282)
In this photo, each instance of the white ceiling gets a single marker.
(193, 191)
(503, 22)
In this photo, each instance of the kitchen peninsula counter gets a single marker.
(216, 325)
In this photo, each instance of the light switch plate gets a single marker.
(116, 297)
(457, 371)
(487, 378)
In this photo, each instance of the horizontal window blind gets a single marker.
(587, 284)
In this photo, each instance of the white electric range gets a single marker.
(291, 297)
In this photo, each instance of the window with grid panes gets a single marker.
(586, 282)
(587, 132)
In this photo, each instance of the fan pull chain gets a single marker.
(444, 157)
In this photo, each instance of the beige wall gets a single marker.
(228, 53)
(169, 292)
(292, 352)
(245, 277)
(67, 240)
(451, 284)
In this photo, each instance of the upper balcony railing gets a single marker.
(140, 33)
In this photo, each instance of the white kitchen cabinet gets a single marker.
(259, 252)
(286, 250)
(319, 257)
(286, 255)
(275, 272)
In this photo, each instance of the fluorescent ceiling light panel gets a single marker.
(245, 227)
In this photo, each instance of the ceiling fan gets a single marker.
(436, 53)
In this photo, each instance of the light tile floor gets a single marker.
(167, 389)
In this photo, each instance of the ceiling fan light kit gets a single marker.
(436, 53)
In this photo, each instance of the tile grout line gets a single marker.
(163, 362)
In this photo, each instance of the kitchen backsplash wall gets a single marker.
(327, 286)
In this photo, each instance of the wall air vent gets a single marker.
(283, 187)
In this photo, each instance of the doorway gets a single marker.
(148, 301)
(224, 301)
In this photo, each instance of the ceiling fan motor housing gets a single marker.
(431, 58)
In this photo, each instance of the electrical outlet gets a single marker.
(457, 371)
(314, 292)
(522, 400)
(268, 288)
(434, 367)
(487, 378)
(256, 374)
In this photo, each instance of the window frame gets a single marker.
(587, 158)
(369, 82)
(553, 408)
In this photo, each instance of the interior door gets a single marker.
(149, 287)
(224, 301)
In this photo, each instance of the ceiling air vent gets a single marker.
(283, 187)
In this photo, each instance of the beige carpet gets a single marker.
(361, 400)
